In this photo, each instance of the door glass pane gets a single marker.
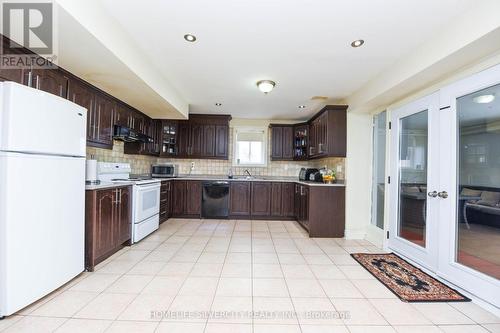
(378, 181)
(413, 177)
(478, 199)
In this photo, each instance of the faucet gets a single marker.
(248, 173)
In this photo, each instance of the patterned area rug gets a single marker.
(406, 281)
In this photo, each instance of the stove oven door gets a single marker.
(146, 201)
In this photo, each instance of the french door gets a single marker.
(414, 185)
(445, 186)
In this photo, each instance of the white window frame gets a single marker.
(245, 129)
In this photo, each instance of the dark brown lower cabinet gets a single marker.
(165, 200)
(186, 198)
(261, 199)
(276, 200)
(287, 200)
(108, 221)
(239, 199)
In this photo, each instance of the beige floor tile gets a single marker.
(463, 329)
(66, 304)
(199, 286)
(358, 312)
(373, 289)
(493, 328)
(371, 329)
(106, 306)
(237, 270)
(164, 285)
(84, 326)
(317, 259)
(267, 271)
(176, 269)
(238, 258)
(189, 308)
(35, 325)
(265, 258)
(305, 288)
(160, 255)
(231, 310)
(316, 311)
(324, 329)
(130, 284)
(180, 328)
(340, 289)
(228, 328)
(132, 327)
(328, 272)
(9, 321)
(356, 272)
(95, 282)
(399, 313)
(117, 267)
(147, 268)
(270, 288)
(297, 272)
(343, 259)
(212, 257)
(206, 270)
(417, 329)
(476, 313)
(274, 310)
(291, 259)
(234, 287)
(276, 328)
(134, 255)
(147, 307)
(442, 314)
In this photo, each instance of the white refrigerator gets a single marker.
(42, 194)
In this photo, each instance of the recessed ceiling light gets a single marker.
(357, 43)
(218, 104)
(266, 86)
(484, 99)
(190, 38)
(302, 106)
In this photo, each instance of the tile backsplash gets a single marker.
(142, 164)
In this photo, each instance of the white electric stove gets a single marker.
(145, 197)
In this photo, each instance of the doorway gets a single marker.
(445, 184)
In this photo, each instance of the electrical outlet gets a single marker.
(192, 165)
(339, 168)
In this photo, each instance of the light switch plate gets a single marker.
(339, 168)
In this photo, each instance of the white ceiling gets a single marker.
(302, 45)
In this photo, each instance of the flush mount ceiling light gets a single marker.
(190, 38)
(357, 43)
(218, 104)
(266, 86)
(302, 106)
(484, 99)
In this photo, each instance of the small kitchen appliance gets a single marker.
(306, 173)
(164, 170)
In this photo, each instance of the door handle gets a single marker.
(443, 194)
(433, 194)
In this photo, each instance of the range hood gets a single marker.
(129, 135)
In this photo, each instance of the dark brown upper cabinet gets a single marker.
(50, 80)
(80, 93)
(103, 120)
(328, 132)
(324, 135)
(281, 142)
(202, 136)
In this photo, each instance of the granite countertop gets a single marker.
(256, 179)
(105, 185)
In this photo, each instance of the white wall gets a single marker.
(358, 174)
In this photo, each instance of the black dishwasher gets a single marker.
(215, 199)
